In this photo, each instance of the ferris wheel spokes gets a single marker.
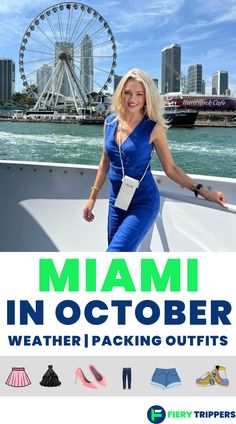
(90, 77)
(36, 61)
(60, 25)
(69, 21)
(45, 35)
(60, 79)
(58, 55)
(52, 29)
(81, 89)
(78, 48)
(77, 25)
(95, 34)
(38, 51)
(85, 30)
(71, 88)
(42, 44)
(102, 70)
(34, 71)
(46, 88)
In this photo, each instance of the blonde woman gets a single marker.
(134, 129)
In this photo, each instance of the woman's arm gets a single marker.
(97, 186)
(100, 179)
(158, 138)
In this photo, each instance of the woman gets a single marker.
(136, 127)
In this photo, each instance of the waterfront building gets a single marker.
(43, 75)
(7, 79)
(203, 87)
(117, 79)
(86, 64)
(155, 80)
(171, 69)
(220, 82)
(195, 79)
(64, 49)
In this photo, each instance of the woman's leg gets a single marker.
(115, 218)
(128, 231)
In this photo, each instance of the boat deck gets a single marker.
(42, 203)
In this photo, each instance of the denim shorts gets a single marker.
(165, 378)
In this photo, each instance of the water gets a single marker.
(206, 151)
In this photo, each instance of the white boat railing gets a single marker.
(165, 241)
(42, 203)
(229, 207)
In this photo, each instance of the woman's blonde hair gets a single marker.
(154, 107)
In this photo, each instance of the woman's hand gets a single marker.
(216, 196)
(87, 211)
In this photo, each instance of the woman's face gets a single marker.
(134, 96)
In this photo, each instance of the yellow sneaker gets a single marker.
(220, 376)
(206, 379)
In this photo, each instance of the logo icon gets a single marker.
(156, 414)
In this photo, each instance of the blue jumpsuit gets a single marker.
(126, 229)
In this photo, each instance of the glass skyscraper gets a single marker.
(171, 69)
(117, 79)
(86, 64)
(220, 82)
(195, 79)
(43, 75)
(64, 51)
(7, 79)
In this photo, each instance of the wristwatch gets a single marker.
(197, 188)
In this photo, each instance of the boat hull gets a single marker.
(181, 118)
(91, 121)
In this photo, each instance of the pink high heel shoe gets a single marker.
(79, 374)
(100, 379)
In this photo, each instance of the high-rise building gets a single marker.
(203, 87)
(64, 51)
(155, 80)
(195, 79)
(43, 75)
(86, 64)
(117, 79)
(220, 82)
(7, 79)
(171, 69)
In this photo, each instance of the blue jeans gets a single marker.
(126, 377)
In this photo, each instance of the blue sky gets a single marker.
(205, 29)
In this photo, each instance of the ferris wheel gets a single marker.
(68, 52)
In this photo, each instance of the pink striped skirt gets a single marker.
(18, 378)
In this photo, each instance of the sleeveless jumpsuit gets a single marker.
(126, 229)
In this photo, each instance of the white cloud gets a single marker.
(213, 54)
(132, 46)
(142, 28)
(214, 12)
(214, 7)
(196, 37)
(14, 36)
(13, 7)
(138, 14)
